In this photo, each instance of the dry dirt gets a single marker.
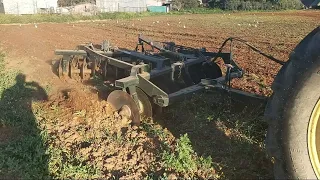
(89, 129)
(81, 128)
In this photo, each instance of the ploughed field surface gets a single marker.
(72, 132)
(277, 33)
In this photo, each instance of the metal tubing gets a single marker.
(184, 92)
(70, 52)
(110, 60)
(157, 60)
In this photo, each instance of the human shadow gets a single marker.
(228, 129)
(22, 150)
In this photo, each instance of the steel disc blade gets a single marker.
(119, 99)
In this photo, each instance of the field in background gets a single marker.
(52, 130)
(61, 18)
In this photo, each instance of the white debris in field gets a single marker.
(168, 24)
(157, 21)
(184, 26)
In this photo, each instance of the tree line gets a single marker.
(73, 2)
(220, 4)
(241, 4)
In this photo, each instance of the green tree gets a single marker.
(245, 5)
(185, 4)
(216, 3)
(74, 2)
(232, 4)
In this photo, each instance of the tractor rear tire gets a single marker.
(290, 113)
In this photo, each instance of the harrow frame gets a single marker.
(164, 61)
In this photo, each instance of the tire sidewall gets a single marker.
(297, 115)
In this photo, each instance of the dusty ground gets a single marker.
(32, 49)
(73, 124)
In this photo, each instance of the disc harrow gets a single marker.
(153, 75)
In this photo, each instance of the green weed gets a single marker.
(63, 164)
(182, 158)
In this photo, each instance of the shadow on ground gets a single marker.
(226, 127)
(229, 129)
(22, 152)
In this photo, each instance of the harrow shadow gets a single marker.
(219, 127)
(227, 127)
(22, 152)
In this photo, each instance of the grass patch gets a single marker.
(22, 152)
(199, 11)
(226, 134)
(184, 160)
(59, 18)
(217, 10)
(56, 18)
(177, 156)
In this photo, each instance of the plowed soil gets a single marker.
(31, 47)
(84, 138)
